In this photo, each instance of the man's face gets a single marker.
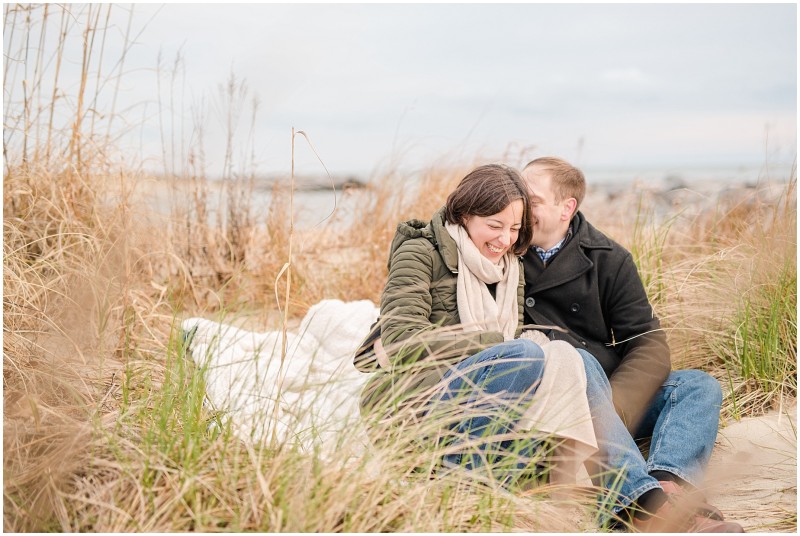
(550, 219)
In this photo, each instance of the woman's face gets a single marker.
(494, 235)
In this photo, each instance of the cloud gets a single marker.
(659, 80)
(626, 77)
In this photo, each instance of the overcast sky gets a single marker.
(375, 84)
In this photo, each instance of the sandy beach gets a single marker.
(752, 477)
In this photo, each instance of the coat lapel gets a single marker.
(569, 264)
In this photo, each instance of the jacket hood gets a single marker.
(434, 231)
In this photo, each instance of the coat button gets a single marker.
(575, 308)
(530, 302)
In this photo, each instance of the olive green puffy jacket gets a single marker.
(419, 303)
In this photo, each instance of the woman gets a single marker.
(450, 322)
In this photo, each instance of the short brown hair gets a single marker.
(487, 190)
(568, 181)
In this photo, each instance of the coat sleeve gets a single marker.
(406, 304)
(639, 340)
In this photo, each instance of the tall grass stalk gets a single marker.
(647, 245)
(765, 337)
(287, 270)
(40, 124)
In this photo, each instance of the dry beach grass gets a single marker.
(105, 427)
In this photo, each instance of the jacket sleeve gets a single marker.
(406, 303)
(639, 340)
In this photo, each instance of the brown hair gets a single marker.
(487, 190)
(568, 181)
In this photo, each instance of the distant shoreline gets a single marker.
(315, 200)
(668, 176)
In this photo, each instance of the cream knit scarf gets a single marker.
(476, 307)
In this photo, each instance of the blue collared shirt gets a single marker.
(546, 255)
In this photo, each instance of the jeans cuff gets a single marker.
(610, 518)
(638, 492)
(677, 472)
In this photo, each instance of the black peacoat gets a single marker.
(592, 289)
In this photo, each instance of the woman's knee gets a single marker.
(520, 348)
(520, 359)
(530, 356)
(517, 356)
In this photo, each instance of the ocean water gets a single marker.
(317, 204)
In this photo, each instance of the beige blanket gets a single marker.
(560, 408)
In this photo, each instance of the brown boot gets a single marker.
(678, 514)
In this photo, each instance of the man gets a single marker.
(585, 283)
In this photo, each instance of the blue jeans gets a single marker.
(493, 388)
(682, 419)
(485, 396)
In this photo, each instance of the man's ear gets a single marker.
(568, 209)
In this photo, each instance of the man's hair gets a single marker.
(487, 190)
(568, 181)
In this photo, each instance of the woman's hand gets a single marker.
(535, 335)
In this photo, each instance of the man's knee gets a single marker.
(699, 382)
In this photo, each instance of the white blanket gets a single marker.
(311, 399)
